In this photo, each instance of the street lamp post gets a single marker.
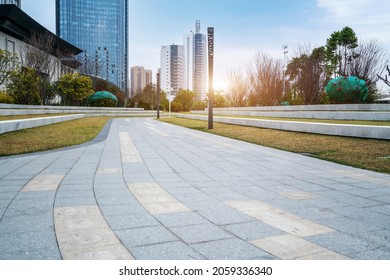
(210, 35)
(158, 95)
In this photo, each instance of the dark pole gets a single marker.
(158, 95)
(210, 35)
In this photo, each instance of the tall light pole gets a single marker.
(210, 36)
(158, 95)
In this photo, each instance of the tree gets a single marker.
(369, 60)
(8, 63)
(185, 98)
(237, 88)
(266, 80)
(340, 50)
(74, 89)
(220, 100)
(307, 74)
(24, 86)
(385, 78)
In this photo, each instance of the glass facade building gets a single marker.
(16, 2)
(99, 28)
(199, 65)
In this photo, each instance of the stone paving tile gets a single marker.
(288, 247)
(176, 250)
(230, 249)
(252, 230)
(342, 243)
(43, 183)
(28, 244)
(119, 222)
(180, 219)
(381, 253)
(145, 236)
(200, 233)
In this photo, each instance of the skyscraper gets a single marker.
(139, 79)
(173, 68)
(199, 74)
(100, 29)
(16, 2)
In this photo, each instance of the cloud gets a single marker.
(356, 11)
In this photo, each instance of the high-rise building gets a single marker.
(188, 41)
(99, 28)
(16, 2)
(199, 66)
(173, 68)
(139, 79)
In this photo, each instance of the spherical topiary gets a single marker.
(103, 99)
(347, 90)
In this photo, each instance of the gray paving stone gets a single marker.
(166, 251)
(27, 241)
(180, 219)
(27, 223)
(221, 215)
(119, 222)
(381, 253)
(145, 236)
(342, 243)
(75, 201)
(122, 209)
(231, 249)
(252, 230)
(200, 233)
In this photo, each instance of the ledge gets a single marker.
(361, 131)
(12, 125)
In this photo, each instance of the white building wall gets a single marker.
(165, 75)
(16, 46)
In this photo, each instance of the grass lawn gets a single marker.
(51, 136)
(363, 153)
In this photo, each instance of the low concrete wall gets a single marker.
(362, 131)
(327, 115)
(12, 125)
(368, 112)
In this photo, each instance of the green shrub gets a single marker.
(5, 98)
(103, 103)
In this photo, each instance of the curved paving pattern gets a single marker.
(151, 190)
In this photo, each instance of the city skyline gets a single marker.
(241, 27)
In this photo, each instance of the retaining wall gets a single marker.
(362, 131)
(12, 125)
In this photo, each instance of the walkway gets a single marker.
(151, 190)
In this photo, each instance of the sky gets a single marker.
(242, 27)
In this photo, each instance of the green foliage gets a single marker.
(24, 87)
(176, 106)
(347, 90)
(103, 85)
(185, 98)
(220, 100)
(74, 89)
(8, 62)
(307, 76)
(147, 99)
(103, 103)
(103, 99)
(199, 105)
(5, 98)
(339, 48)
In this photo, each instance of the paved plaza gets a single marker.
(150, 190)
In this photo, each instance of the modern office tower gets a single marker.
(173, 68)
(188, 49)
(139, 79)
(199, 66)
(99, 28)
(16, 2)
